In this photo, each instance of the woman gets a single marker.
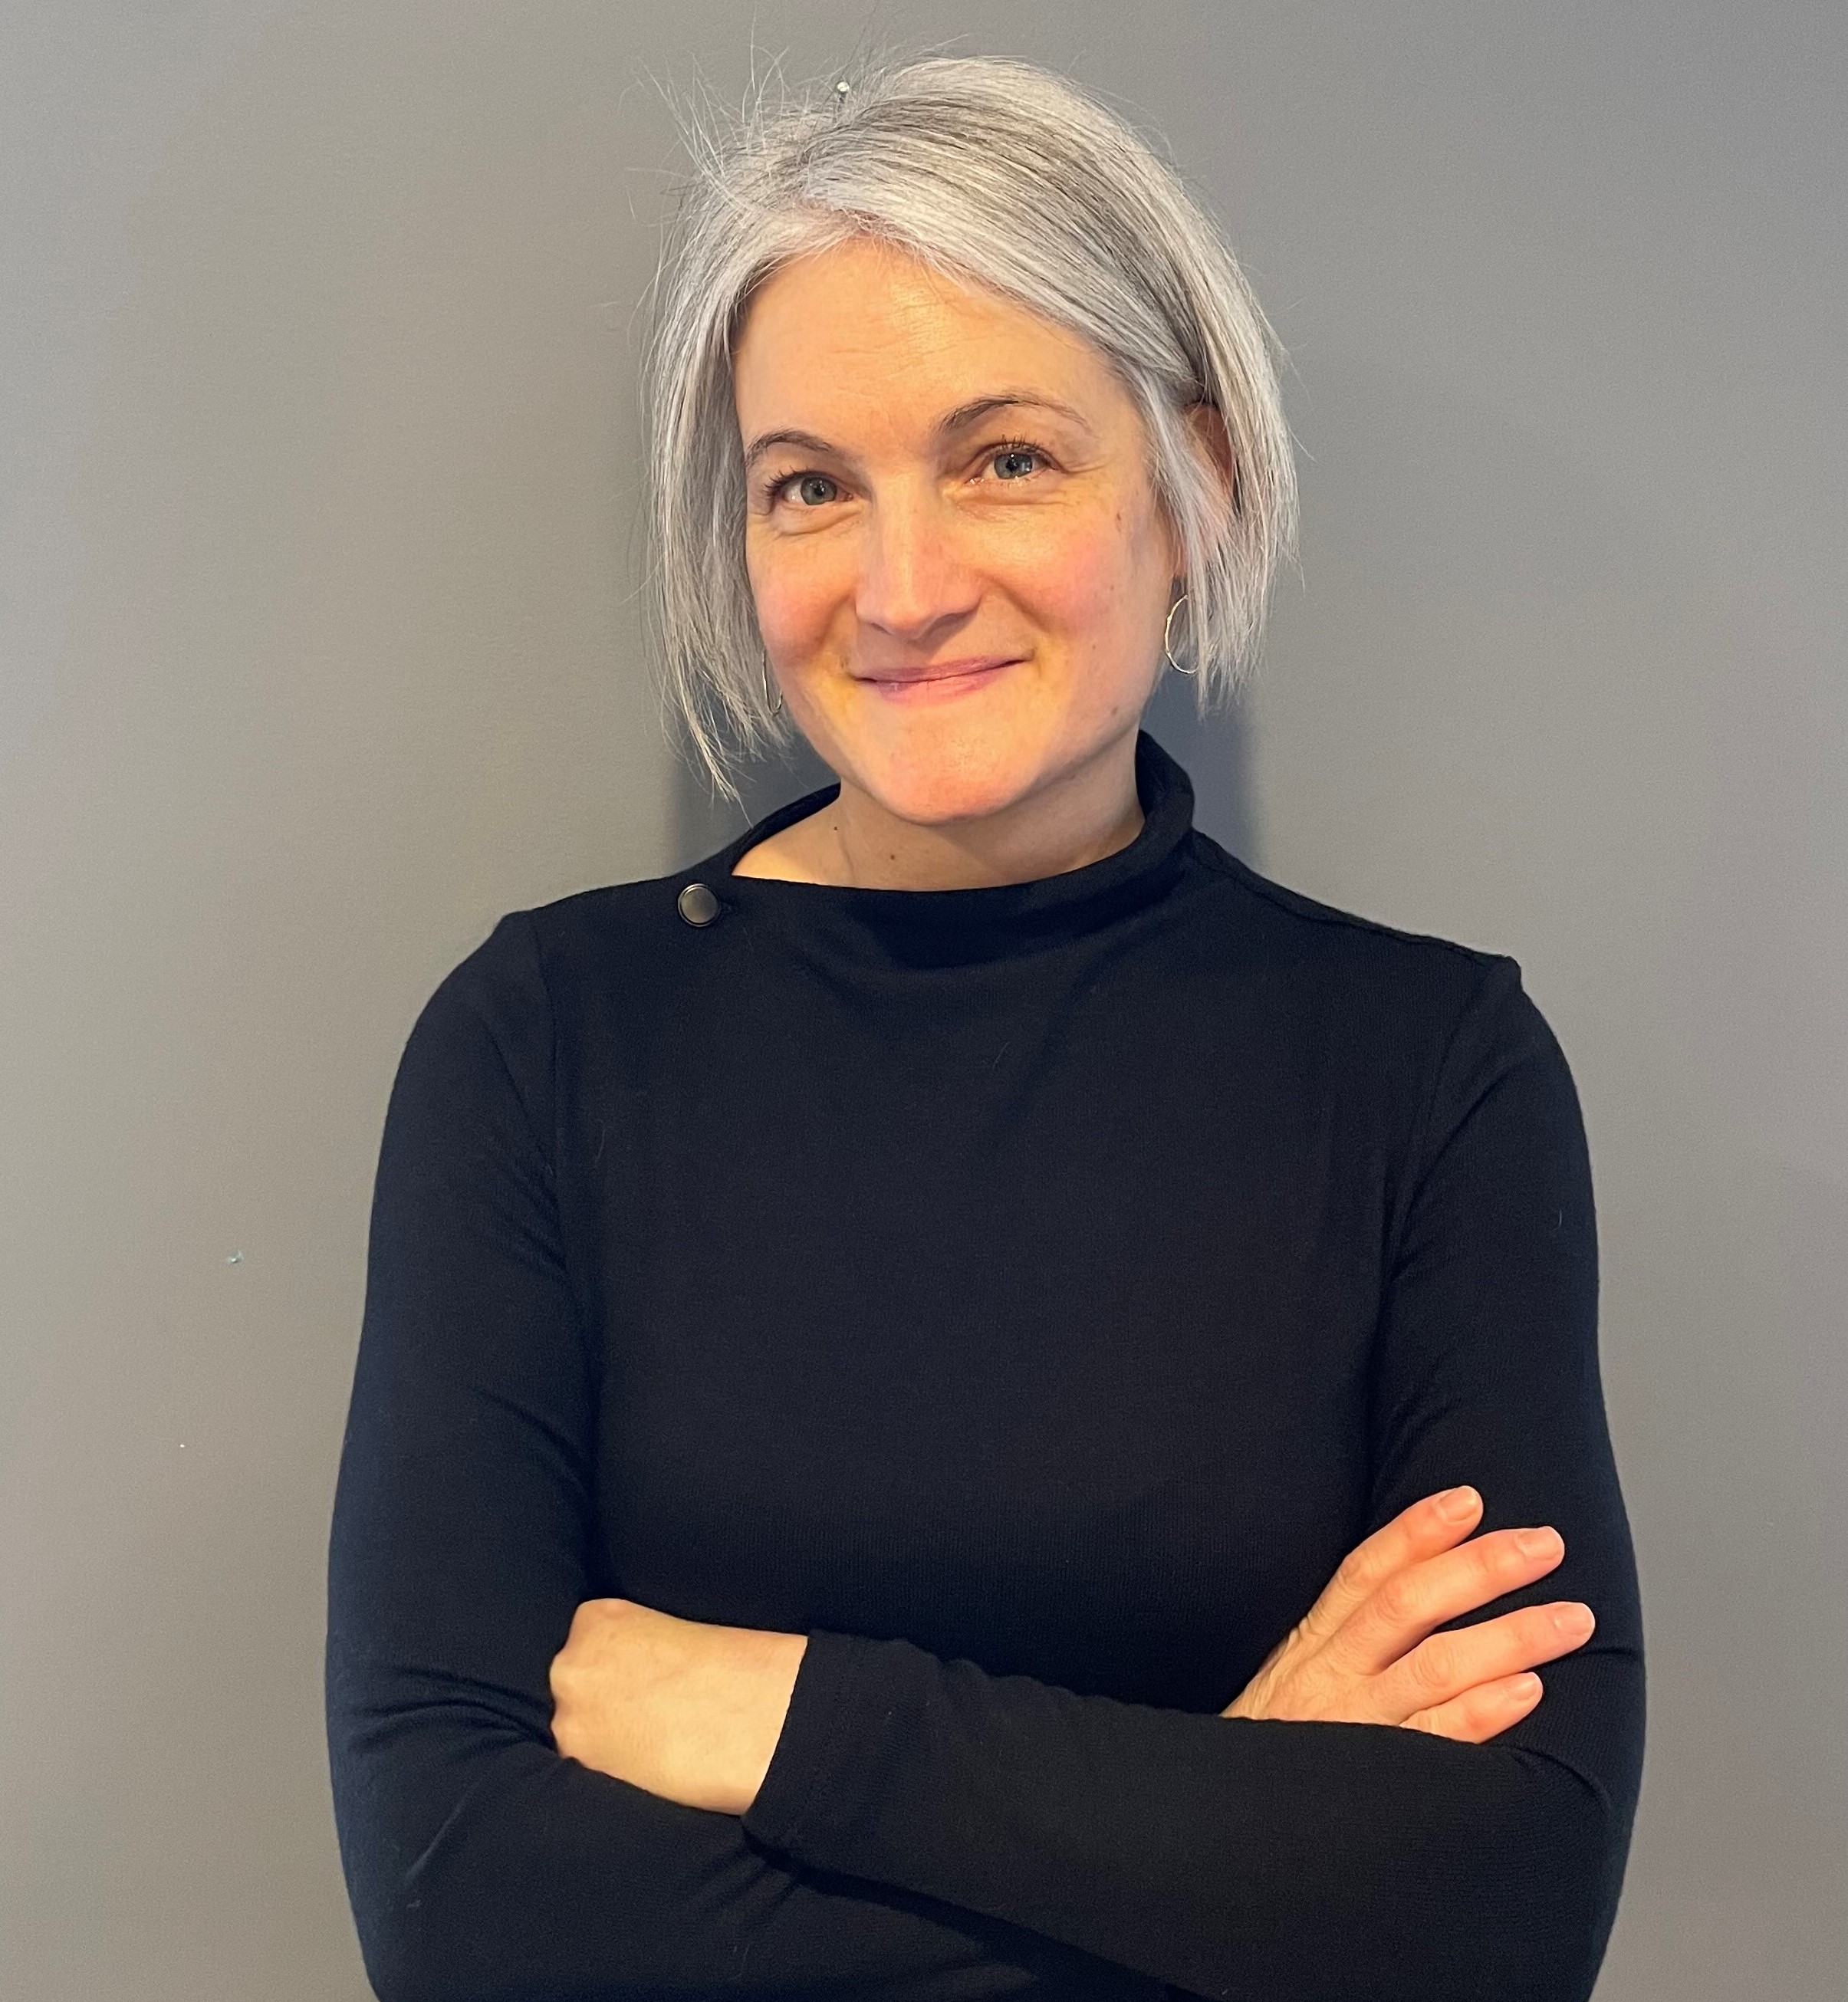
(968, 1398)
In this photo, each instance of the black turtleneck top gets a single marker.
(1031, 1293)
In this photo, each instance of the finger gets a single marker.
(1482, 1713)
(1448, 1665)
(1419, 1599)
(1422, 1531)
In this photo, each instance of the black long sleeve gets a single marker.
(1318, 1862)
(1031, 1294)
(483, 1866)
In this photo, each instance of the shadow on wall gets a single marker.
(1215, 754)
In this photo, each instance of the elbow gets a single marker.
(1545, 1896)
(399, 1974)
(1508, 1892)
(413, 1952)
(457, 1851)
(396, 1970)
(418, 1952)
(426, 1932)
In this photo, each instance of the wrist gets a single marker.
(774, 1685)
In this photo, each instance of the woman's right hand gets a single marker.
(1367, 1652)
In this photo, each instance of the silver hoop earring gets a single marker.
(1167, 653)
(774, 704)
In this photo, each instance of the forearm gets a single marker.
(484, 1867)
(1313, 1862)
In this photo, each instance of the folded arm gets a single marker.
(481, 1865)
(1313, 1861)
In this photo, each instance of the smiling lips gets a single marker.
(940, 679)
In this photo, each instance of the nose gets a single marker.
(915, 574)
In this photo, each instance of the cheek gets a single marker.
(1082, 586)
(796, 602)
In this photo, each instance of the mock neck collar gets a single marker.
(947, 923)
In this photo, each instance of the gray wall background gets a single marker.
(319, 450)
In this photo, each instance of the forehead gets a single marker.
(864, 324)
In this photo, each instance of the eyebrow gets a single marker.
(946, 426)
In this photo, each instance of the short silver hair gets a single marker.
(989, 170)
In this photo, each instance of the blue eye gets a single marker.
(773, 490)
(1014, 448)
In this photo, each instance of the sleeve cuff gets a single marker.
(850, 1694)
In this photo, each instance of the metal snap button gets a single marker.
(698, 905)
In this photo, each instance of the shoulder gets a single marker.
(1444, 1033)
(1331, 957)
(544, 963)
(1359, 1000)
(539, 978)
(1326, 931)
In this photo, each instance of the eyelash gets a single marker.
(772, 490)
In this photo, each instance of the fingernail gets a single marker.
(1457, 1504)
(1524, 1689)
(1574, 1620)
(1539, 1543)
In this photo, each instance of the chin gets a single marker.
(928, 781)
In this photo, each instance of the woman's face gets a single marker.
(912, 528)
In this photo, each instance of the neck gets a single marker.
(1080, 818)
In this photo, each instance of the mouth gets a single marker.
(944, 679)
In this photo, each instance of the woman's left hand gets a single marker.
(686, 1710)
(1368, 1651)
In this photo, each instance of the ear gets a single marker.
(1214, 438)
(1209, 427)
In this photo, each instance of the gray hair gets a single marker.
(989, 170)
